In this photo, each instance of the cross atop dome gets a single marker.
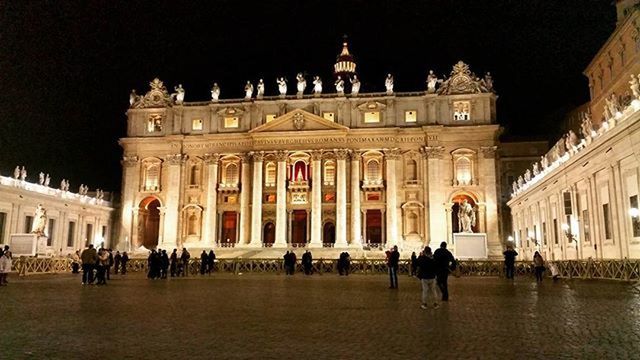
(345, 65)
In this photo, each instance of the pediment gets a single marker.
(299, 120)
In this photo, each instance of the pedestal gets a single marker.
(28, 245)
(470, 245)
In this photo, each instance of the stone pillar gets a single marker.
(489, 180)
(172, 200)
(245, 186)
(290, 222)
(281, 200)
(364, 226)
(356, 220)
(437, 225)
(130, 186)
(256, 201)
(392, 197)
(316, 199)
(341, 198)
(211, 204)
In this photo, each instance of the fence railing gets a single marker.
(625, 270)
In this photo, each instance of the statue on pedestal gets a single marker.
(586, 127)
(432, 82)
(134, 98)
(544, 162)
(301, 85)
(635, 87)
(23, 174)
(573, 140)
(39, 221)
(466, 217)
(41, 178)
(487, 82)
(388, 84)
(520, 182)
(527, 175)
(248, 90)
(16, 173)
(514, 187)
(282, 86)
(215, 92)
(339, 85)
(536, 169)
(260, 89)
(317, 86)
(355, 85)
(179, 94)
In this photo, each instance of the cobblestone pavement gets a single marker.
(324, 317)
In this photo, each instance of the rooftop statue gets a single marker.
(573, 140)
(179, 94)
(586, 126)
(432, 82)
(16, 173)
(544, 162)
(134, 98)
(41, 178)
(317, 85)
(514, 187)
(536, 169)
(520, 182)
(282, 86)
(215, 92)
(47, 180)
(635, 87)
(355, 85)
(23, 173)
(339, 85)
(463, 81)
(260, 89)
(301, 85)
(248, 90)
(388, 84)
(527, 175)
(157, 96)
(488, 82)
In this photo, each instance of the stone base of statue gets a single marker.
(470, 246)
(28, 245)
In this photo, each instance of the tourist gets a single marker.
(414, 264)
(509, 261)
(125, 260)
(294, 261)
(211, 262)
(109, 264)
(102, 264)
(555, 274)
(116, 262)
(154, 265)
(287, 263)
(5, 265)
(164, 264)
(340, 264)
(307, 262)
(204, 260)
(538, 263)
(184, 259)
(444, 264)
(75, 262)
(346, 263)
(392, 264)
(89, 258)
(173, 263)
(426, 272)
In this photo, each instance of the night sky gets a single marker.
(66, 68)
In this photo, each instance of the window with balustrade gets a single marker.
(270, 174)
(230, 177)
(329, 173)
(151, 175)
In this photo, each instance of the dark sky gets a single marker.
(66, 67)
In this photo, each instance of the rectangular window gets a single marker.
(555, 231)
(329, 116)
(28, 223)
(3, 220)
(526, 232)
(330, 197)
(373, 196)
(635, 215)
(269, 118)
(51, 231)
(566, 196)
(607, 221)
(231, 122)
(89, 234)
(372, 117)
(196, 124)
(71, 234)
(154, 123)
(544, 233)
(410, 116)
(586, 225)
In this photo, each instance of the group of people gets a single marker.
(344, 263)
(433, 269)
(207, 262)
(97, 264)
(290, 260)
(6, 259)
(539, 265)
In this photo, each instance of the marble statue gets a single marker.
(536, 169)
(544, 162)
(39, 221)
(635, 87)
(488, 82)
(612, 106)
(47, 180)
(586, 126)
(133, 97)
(466, 217)
(520, 182)
(514, 187)
(41, 178)
(260, 89)
(23, 173)
(179, 94)
(81, 189)
(301, 85)
(573, 139)
(317, 85)
(62, 184)
(282, 86)
(16, 173)
(248, 90)
(215, 92)
(339, 85)
(388, 84)
(66, 185)
(355, 85)
(527, 175)
(432, 82)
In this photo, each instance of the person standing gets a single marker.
(392, 263)
(444, 264)
(116, 262)
(125, 260)
(204, 260)
(509, 261)
(307, 262)
(5, 265)
(293, 260)
(89, 259)
(109, 264)
(173, 263)
(538, 263)
(414, 264)
(102, 266)
(164, 264)
(211, 262)
(346, 263)
(184, 258)
(426, 272)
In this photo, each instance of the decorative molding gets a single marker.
(371, 106)
(230, 111)
(128, 161)
(433, 152)
(211, 159)
(316, 155)
(341, 154)
(463, 81)
(392, 154)
(355, 156)
(489, 152)
(281, 155)
(298, 121)
(156, 97)
(258, 156)
(175, 159)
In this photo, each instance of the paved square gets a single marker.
(324, 317)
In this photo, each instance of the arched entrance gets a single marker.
(329, 234)
(299, 227)
(455, 223)
(149, 222)
(269, 234)
(374, 227)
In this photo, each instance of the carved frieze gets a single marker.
(211, 159)
(341, 154)
(433, 152)
(392, 154)
(175, 159)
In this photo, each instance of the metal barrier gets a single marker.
(625, 270)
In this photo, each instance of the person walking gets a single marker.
(392, 264)
(116, 262)
(173, 263)
(538, 263)
(125, 260)
(426, 271)
(444, 264)
(89, 259)
(204, 260)
(211, 262)
(509, 261)
(414, 264)
(5, 265)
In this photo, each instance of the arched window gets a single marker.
(411, 170)
(463, 170)
(194, 175)
(329, 173)
(152, 177)
(231, 174)
(193, 225)
(300, 171)
(373, 170)
(412, 223)
(270, 174)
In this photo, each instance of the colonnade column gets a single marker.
(256, 201)
(437, 225)
(281, 200)
(392, 201)
(244, 200)
(316, 199)
(356, 220)
(341, 198)
(210, 221)
(131, 176)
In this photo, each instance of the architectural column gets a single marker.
(356, 230)
(307, 235)
(491, 201)
(341, 198)
(256, 201)
(172, 200)
(316, 199)
(245, 186)
(281, 200)
(392, 196)
(448, 215)
(211, 204)
(290, 222)
(437, 225)
(364, 226)
(131, 185)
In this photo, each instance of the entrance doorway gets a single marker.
(269, 234)
(229, 228)
(374, 227)
(328, 234)
(299, 227)
(148, 222)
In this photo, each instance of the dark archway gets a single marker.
(229, 227)
(374, 227)
(149, 222)
(269, 234)
(329, 234)
(299, 227)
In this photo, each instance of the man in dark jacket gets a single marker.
(509, 261)
(307, 262)
(125, 260)
(444, 263)
(392, 263)
(204, 260)
(89, 259)
(116, 262)
(426, 272)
